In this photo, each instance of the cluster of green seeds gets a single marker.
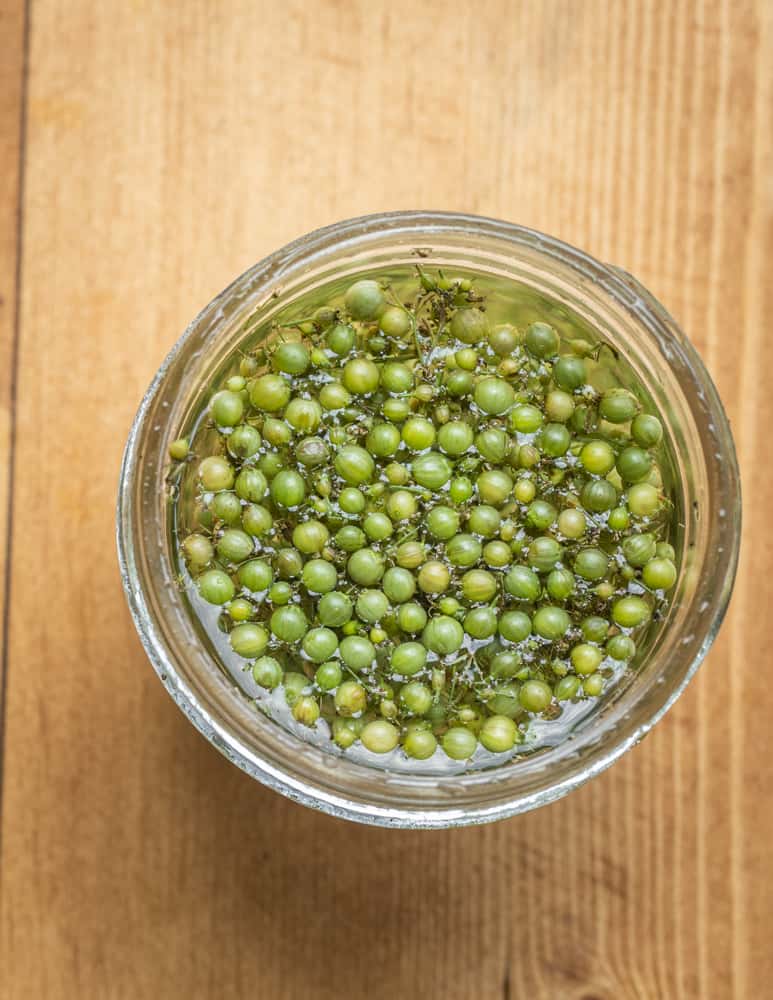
(426, 530)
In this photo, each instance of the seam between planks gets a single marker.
(11, 458)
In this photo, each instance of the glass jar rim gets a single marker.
(264, 278)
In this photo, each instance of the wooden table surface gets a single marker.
(149, 152)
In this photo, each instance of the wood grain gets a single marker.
(168, 147)
(12, 78)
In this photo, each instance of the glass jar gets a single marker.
(707, 497)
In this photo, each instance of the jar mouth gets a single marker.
(623, 310)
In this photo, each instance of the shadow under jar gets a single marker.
(559, 283)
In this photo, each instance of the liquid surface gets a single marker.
(425, 521)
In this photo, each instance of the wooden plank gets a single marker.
(169, 146)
